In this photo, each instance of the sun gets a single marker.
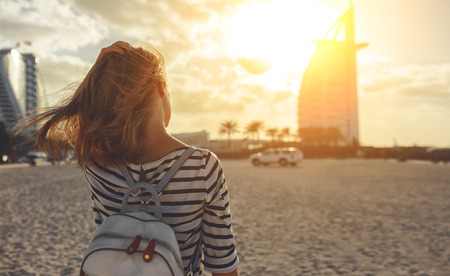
(277, 34)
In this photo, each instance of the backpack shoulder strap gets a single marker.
(174, 169)
(127, 175)
(167, 176)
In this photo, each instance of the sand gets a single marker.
(323, 217)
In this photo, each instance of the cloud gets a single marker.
(207, 100)
(283, 96)
(59, 72)
(133, 13)
(254, 66)
(392, 79)
(408, 120)
(218, 89)
(403, 102)
(49, 25)
(179, 29)
(221, 71)
(156, 22)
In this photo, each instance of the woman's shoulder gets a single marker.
(205, 155)
(201, 151)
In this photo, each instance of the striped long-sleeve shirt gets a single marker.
(194, 203)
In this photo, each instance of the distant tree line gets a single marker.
(253, 130)
(308, 136)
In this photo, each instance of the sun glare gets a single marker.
(279, 33)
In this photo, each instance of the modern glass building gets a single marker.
(328, 93)
(21, 87)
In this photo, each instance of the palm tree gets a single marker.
(229, 128)
(272, 132)
(254, 128)
(285, 132)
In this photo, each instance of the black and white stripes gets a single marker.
(194, 203)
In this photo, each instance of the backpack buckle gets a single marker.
(137, 193)
(191, 270)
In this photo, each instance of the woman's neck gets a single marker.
(157, 145)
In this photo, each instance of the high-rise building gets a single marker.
(21, 88)
(328, 93)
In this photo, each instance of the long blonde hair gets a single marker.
(104, 120)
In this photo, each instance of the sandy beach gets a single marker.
(323, 217)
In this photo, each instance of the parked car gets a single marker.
(282, 156)
(33, 158)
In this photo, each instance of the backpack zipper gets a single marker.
(148, 253)
(82, 273)
(162, 243)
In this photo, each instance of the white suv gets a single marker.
(282, 156)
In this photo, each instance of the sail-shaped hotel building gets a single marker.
(328, 92)
(21, 87)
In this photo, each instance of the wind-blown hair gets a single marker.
(104, 120)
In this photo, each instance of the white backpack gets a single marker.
(137, 243)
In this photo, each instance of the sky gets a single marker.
(243, 60)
